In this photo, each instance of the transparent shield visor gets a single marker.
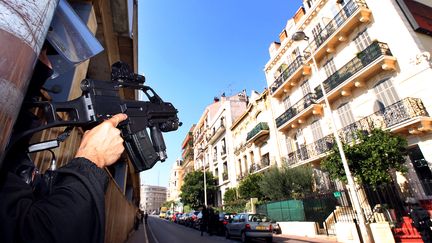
(70, 36)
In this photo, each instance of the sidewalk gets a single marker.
(318, 238)
(138, 236)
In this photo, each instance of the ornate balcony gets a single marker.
(254, 168)
(290, 76)
(354, 13)
(407, 116)
(299, 112)
(375, 58)
(311, 151)
(215, 133)
(259, 133)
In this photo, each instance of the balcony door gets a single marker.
(346, 118)
(305, 88)
(320, 145)
(300, 143)
(385, 93)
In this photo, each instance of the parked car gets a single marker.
(182, 218)
(223, 219)
(247, 226)
(176, 217)
(191, 219)
(276, 228)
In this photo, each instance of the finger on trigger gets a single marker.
(116, 119)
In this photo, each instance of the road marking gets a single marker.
(151, 232)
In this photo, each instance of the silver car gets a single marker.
(248, 225)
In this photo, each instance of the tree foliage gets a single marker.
(230, 195)
(249, 186)
(192, 191)
(168, 204)
(282, 182)
(371, 159)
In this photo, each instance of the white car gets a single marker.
(247, 226)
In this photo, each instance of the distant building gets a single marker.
(175, 181)
(187, 153)
(152, 198)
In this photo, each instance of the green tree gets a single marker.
(282, 183)
(371, 159)
(249, 186)
(230, 195)
(192, 191)
(169, 203)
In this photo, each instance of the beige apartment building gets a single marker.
(213, 146)
(374, 67)
(187, 152)
(373, 60)
(254, 137)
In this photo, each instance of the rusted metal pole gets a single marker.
(23, 28)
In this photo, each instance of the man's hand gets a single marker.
(103, 144)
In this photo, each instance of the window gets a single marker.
(265, 160)
(316, 33)
(305, 88)
(345, 115)
(316, 130)
(329, 67)
(385, 92)
(362, 40)
(289, 144)
(294, 54)
(287, 102)
(214, 153)
(225, 171)
(223, 146)
(280, 70)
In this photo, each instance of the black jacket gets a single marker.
(73, 211)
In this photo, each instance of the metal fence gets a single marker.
(379, 203)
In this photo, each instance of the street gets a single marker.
(161, 231)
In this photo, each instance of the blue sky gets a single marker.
(191, 51)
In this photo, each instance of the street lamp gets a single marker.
(299, 36)
(205, 179)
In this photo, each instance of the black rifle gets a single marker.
(100, 100)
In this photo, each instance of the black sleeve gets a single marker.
(73, 212)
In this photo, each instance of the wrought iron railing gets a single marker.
(287, 72)
(363, 59)
(346, 12)
(385, 118)
(254, 167)
(311, 150)
(295, 109)
(265, 161)
(258, 128)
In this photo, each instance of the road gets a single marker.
(163, 231)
